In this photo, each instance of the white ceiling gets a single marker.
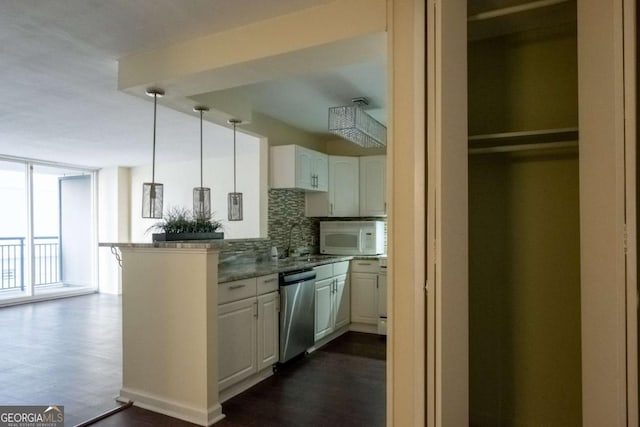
(59, 73)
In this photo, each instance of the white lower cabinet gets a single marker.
(268, 326)
(324, 308)
(248, 339)
(342, 302)
(364, 293)
(332, 299)
(237, 329)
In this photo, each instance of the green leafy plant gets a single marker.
(181, 220)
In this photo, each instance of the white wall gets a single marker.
(180, 178)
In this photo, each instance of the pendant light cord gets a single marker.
(234, 157)
(201, 181)
(153, 163)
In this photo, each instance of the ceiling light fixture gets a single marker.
(201, 195)
(235, 198)
(354, 124)
(152, 191)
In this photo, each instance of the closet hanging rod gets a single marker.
(524, 140)
(514, 9)
(523, 147)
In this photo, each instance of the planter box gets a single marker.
(172, 237)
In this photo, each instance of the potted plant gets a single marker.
(180, 224)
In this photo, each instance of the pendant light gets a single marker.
(152, 191)
(354, 124)
(201, 195)
(235, 198)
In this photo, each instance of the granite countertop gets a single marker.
(228, 272)
(186, 244)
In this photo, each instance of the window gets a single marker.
(47, 238)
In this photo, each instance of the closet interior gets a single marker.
(524, 218)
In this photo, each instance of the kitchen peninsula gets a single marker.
(171, 296)
(169, 328)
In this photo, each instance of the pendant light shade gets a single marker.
(152, 192)
(235, 198)
(235, 206)
(201, 195)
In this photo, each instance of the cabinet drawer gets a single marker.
(233, 291)
(267, 284)
(340, 268)
(323, 271)
(364, 266)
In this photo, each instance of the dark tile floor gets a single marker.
(65, 352)
(68, 352)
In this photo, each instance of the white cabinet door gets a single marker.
(268, 351)
(304, 168)
(342, 301)
(324, 308)
(342, 199)
(364, 298)
(293, 166)
(321, 171)
(343, 186)
(237, 341)
(373, 194)
(382, 295)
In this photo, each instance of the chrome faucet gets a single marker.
(288, 250)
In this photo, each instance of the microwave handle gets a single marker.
(360, 241)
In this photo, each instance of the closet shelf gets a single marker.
(522, 17)
(525, 140)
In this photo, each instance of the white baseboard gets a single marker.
(328, 338)
(364, 327)
(243, 385)
(172, 408)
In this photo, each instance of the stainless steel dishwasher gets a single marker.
(297, 308)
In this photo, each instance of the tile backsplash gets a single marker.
(286, 208)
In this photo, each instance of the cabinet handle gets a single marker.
(231, 288)
(273, 279)
(364, 263)
(255, 309)
(385, 207)
(330, 208)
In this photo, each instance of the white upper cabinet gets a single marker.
(292, 166)
(373, 188)
(342, 199)
(320, 164)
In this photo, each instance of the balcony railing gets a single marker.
(46, 261)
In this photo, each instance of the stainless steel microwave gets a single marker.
(352, 237)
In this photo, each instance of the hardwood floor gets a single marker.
(341, 384)
(62, 352)
(68, 352)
